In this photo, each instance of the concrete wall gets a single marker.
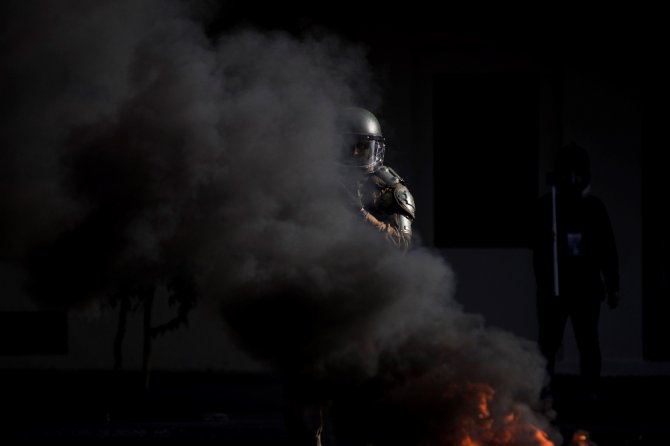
(595, 104)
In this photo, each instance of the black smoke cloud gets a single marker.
(135, 146)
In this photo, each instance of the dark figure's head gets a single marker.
(573, 170)
(363, 140)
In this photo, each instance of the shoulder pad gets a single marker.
(388, 176)
(405, 199)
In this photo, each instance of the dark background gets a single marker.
(474, 107)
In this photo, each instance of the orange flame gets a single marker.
(485, 395)
(581, 438)
(482, 429)
(542, 438)
(467, 441)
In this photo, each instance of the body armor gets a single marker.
(387, 204)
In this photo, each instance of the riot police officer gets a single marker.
(380, 194)
(384, 201)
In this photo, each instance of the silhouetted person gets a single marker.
(578, 270)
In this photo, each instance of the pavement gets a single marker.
(246, 409)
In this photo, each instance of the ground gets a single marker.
(245, 409)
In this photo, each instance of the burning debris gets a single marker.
(484, 429)
(149, 147)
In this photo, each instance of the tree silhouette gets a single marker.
(181, 295)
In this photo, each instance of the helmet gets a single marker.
(363, 141)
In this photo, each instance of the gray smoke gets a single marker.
(135, 146)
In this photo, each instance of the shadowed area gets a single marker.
(245, 409)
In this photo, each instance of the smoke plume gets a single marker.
(134, 145)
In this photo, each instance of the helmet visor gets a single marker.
(364, 151)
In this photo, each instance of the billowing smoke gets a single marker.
(134, 147)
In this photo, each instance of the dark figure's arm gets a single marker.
(541, 244)
(608, 255)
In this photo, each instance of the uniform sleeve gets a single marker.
(393, 231)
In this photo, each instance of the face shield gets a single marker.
(365, 151)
